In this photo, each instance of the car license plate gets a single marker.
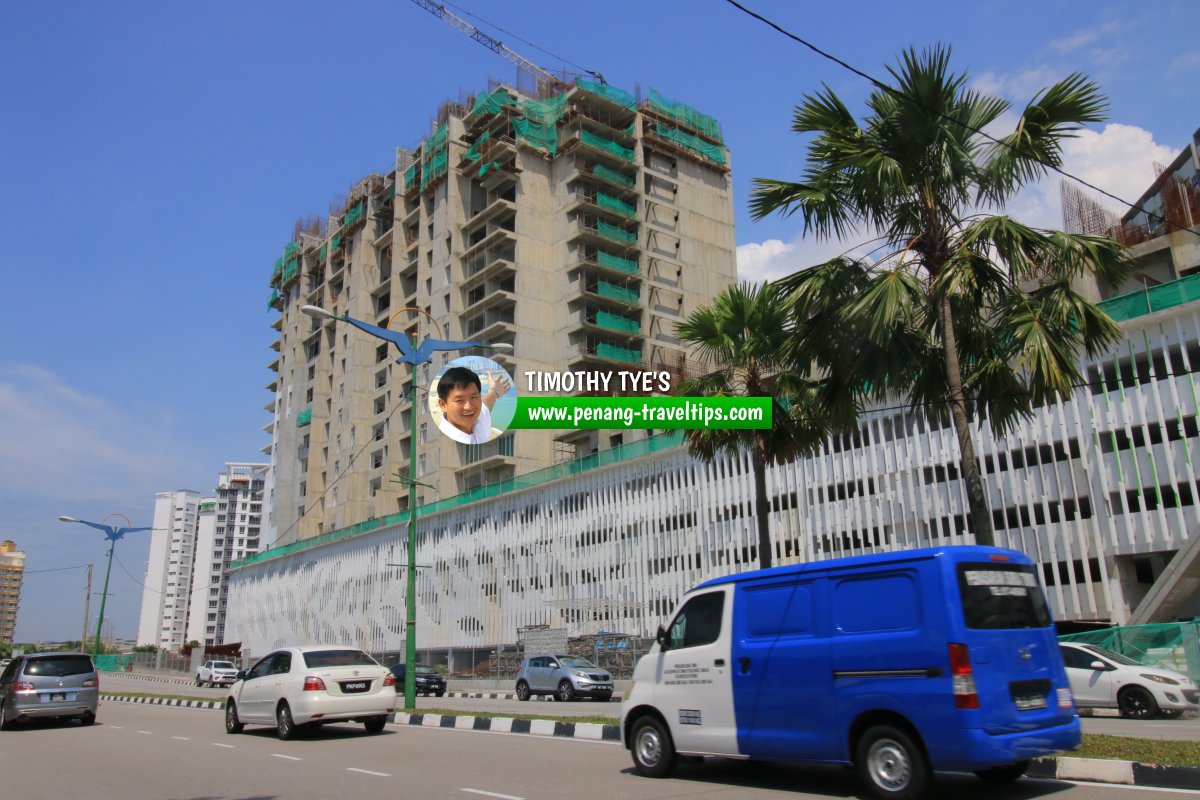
(355, 686)
(1030, 702)
(58, 697)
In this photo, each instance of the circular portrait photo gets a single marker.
(473, 400)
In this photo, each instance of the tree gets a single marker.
(741, 336)
(965, 313)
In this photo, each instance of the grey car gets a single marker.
(49, 686)
(565, 677)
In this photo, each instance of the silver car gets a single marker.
(565, 677)
(49, 686)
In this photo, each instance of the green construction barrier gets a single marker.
(713, 152)
(304, 418)
(277, 272)
(626, 265)
(273, 301)
(685, 115)
(617, 234)
(290, 271)
(335, 243)
(614, 292)
(435, 142)
(607, 145)
(435, 168)
(629, 356)
(611, 203)
(492, 103)
(354, 213)
(610, 174)
(412, 175)
(604, 90)
(1156, 298)
(1171, 644)
(616, 322)
(474, 153)
(484, 169)
(322, 253)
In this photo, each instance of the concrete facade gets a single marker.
(12, 573)
(167, 587)
(579, 228)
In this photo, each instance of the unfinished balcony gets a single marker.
(496, 263)
(489, 294)
(591, 231)
(489, 207)
(492, 324)
(617, 295)
(603, 205)
(603, 351)
(602, 264)
(491, 235)
(625, 327)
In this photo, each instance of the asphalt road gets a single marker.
(169, 753)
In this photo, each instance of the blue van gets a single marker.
(899, 663)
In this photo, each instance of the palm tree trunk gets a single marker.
(981, 515)
(762, 509)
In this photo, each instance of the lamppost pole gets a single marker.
(414, 354)
(113, 533)
(87, 609)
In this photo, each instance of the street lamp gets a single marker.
(113, 533)
(413, 354)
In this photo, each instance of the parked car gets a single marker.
(426, 678)
(565, 677)
(1103, 679)
(216, 672)
(49, 685)
(294, 688)
(899, 664)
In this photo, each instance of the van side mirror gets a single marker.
(661, 637)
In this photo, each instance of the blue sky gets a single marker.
(156, 155)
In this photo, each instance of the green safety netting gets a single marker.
(392, 191)
(537, 120)
(322, 253)
(275, 273)
(617, 234)
(435, 167)
(615, 455)
(492, 103)
(685, 115)
(290, 271)
(1156, 298)
(617, 323)
(611, 203)
(474, 152)
(290, 249)
(546, 111)
(604, 90)
(626, 265)
(610, 174)
(111, 663)
(354, 213)
(436, 141)
(335, 243)
(1172, 644)
(484, 169)
(274, 299)
(713, 152)
(304, 417)
(607, 145)
(410, 175)
(614, 292)
(628, 355)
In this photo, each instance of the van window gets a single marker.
(777, 610)
(698, 622)
(59, 666)
(877, 603)
(1000, 596)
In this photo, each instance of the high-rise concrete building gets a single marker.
(229, 528)
(12, 571)
(163, 621)
(578, 226)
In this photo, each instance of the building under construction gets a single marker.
(577, 223)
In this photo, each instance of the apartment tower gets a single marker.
(12, 571)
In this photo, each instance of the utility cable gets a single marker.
(888, 89)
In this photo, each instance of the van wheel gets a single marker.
(566, 692)
(522, 691)
(891, 764)
(1005, 773)
(1137, 703)
(652, 749)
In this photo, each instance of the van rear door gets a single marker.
(1017, 669)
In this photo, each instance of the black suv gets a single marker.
(427, 679)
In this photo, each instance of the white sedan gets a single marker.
(1103, 679)
(304, 687)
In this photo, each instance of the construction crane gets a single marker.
(495, 45)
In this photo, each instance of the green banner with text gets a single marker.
(661, 413)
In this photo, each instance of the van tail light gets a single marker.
(963, 677)
(22, 686)
(314, 684)
(91, 683)
(389, 680)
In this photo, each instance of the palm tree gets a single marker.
(741, 337)
(964, 313)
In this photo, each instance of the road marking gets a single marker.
(116, 727)
(289, 758)
(182, 738)
(148, 733)
(368, 772)
(230, 746)
(494, 794)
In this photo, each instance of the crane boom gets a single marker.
(495, 45)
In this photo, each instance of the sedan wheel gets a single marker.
(232, 725)
(566, 692)
(522, 690)
(1137, 703)
(284, 726)
(375, 724)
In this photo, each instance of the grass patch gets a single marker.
(1151, 751)
(458, 712)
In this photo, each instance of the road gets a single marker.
(153, 752)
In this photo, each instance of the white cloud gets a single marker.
(773, 259)
(1084, 37)
(1019, 87)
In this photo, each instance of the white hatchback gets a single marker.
(1103, 679)
(297, 688)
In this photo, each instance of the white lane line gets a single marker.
(230, 746)
(182, 738)
(368, 772)
(148, 733)
(116, 727)
(493, 794)
(289, 758)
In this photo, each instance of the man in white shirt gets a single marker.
(466, 414)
